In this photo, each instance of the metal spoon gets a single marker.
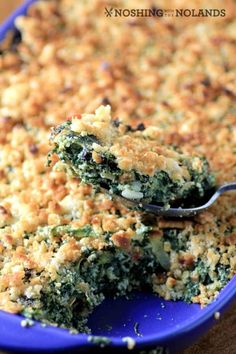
(183, 212)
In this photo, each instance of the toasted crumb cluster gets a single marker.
(132, 151)
(174, 75)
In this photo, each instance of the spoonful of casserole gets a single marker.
(129, 163)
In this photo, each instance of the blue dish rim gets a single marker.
(8, 24)
(61, 339)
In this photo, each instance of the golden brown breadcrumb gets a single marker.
(175, 75)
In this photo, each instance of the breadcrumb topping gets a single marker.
(182, 87)
(132, 151)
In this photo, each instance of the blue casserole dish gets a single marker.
(167, 325)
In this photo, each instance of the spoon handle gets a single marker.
(227, 187)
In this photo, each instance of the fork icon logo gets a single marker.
(108, 12)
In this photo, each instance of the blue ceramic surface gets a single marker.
(173, 325)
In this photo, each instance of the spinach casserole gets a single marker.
(64, 245)
(129, 163)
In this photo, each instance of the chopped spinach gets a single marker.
(82, 285)
(202, 269)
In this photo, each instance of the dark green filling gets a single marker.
(192, 287)
(76, 152)
(82, 285)
(178, 241)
